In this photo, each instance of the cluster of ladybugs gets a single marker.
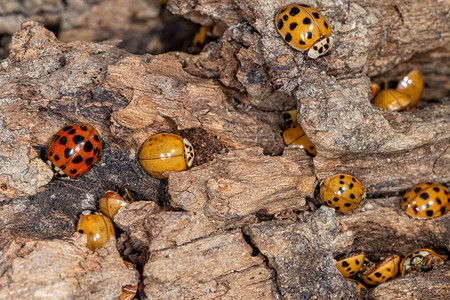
(76, 147)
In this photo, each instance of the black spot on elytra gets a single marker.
(88, 146)
(288, 37)
(429, 213)
(311, 147)
(56, 158)
(63, 140)
(320, 50)
(337, 207)
(68, 152)
(335, 199)
(357, 262)
(315, 47)
(405, 199)
(347, 205)
(388, 270)
(442, 210)
(294, 11)
(89, 161)
(436, 189)
(377, 274)
(309, 35)
(77, 159)
(306, 21)
(73, 171)
(350, 185)
(349, 269)
(329, 202)
(353, 179)
(51, 153)
(352, 272)
(341, 177)
(83, 127)
(352, 196)
(325, 24)
(96, 138)
(446, 192)
(438, 201)
(417, 189)
(292, 26)
(280, 24)
(316, 15)
(67, 128)
(72, 131)
(80, 231)
(341, 182)
(368, 278)
(78, 139)
(285, 17)
(340, 190)
(424, 196)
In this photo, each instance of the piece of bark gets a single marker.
(220, 265)
(429, 285)
(239, 184)
(60, 269)
(301, 254)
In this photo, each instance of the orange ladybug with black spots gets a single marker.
(343, 192)
(304, 28)
(74, 150)
(426, 200)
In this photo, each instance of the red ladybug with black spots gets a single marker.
(74, 149)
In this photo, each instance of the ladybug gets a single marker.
(304, 28)
(342, 192)
(295, 137)
(426, 200)
(384, 271)
(412, 86)
(290, 116)
(97, 227)
(361, 287)
(110, 204)
(350, 264)
(391, 100)
(200, 39)
(74, 150)
(420, 260)
(166, 152)
(128, 291)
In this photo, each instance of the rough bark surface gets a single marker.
(245, 221)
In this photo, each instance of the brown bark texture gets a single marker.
(245, 222)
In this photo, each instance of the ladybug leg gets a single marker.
(127, 192)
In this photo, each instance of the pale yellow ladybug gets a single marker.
(426, 200)
(166, 152)
(342, 192)
(391, 100)
(304, 28)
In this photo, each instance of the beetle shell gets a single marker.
(420, 260)
(110, 204)
(384, 271)
(74, 150)
(361, 287)
(343, 192)
(295, 137)
(304, 28)
(350, 264)
(426, 200)
(391, 100)
(290, 116)
(97, 227)
(166, 152)
(412, 86)
(128, 291)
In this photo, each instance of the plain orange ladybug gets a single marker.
(361, 287)
(384, 271)
(412, 86)
(391, 100)
(110, 203)
(304, 28)
(295, 137)
(74, 150)
(426, 200)
(166, 152)
(343, 192)
(97, 227)
(350, 264)
(128, 291)
(420, 260)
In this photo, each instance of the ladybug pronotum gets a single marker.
(426, 200)
(420, 260)
(97, 227)
(110, 204)
(384, 271)
(128, 291)
(412, 86)
(391, 100)
(166, 152)
(304, 28)
(350, 264)
(342, 192)
(74, 150)
(290, 116)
